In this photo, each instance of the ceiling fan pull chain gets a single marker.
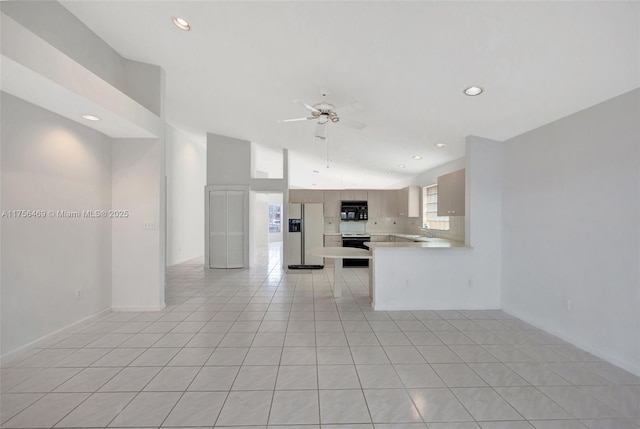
(327, 153)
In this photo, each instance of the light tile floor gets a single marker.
(262, 348)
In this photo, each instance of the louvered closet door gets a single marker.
(218, 229)
(235, 229)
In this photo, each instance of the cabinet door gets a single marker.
(235, 229)
(332, 204)
(353, 195)
(409, 201)
(413, 201)
(305, 196)
(331, 241)
(217, 229)
(403, 201)
(226, 229)
(360, 195)
(375, 204)
(390, 203)
(451, 194)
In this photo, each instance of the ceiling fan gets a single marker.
(324, 113)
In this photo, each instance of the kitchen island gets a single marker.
(431, 274)
(339, 253)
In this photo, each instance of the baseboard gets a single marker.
(140, 309)
(628, 366)
(433, 308)
(9, 355)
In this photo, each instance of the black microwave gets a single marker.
(354, 210)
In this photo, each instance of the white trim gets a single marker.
(627, 366)
(12, 353)
(139, 309)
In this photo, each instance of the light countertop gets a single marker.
(340, 252)
(429, 243)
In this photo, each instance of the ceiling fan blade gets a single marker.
(307, 106)
(353, 124)
(294, 119)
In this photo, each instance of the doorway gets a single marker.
(266, 229)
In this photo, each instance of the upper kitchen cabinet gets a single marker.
(409, 201)
(353, 195)
(451, 194)
(382, 203)
(305, 196)
(390, 203)
(332, 203)
(374, 204)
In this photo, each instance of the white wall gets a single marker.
(266, 162)
(571, 229)
(138, 252)
(186, 179)
(258, 224)
(464, 278)
(50, 21)
(51, 163)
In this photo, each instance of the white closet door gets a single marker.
(235, 229)
(218, 229)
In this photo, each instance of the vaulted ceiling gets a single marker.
(406, 63)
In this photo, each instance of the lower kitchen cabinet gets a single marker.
(332, 241)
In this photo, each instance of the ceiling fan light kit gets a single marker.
(324, 113)
(321, 131)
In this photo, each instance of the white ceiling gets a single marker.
(243, 63)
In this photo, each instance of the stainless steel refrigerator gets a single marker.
(305, 231)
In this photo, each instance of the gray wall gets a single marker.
(51, 163)
(228, 160)
(571, 228)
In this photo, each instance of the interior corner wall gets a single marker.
(56, 270)
(52, 22)
(186, 179)
(138, 249)
(571, 229)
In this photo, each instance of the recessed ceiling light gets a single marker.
(91, 117)
(472, 91)
(402, 166)
(416, 157)
(181, 23)
(440, 145)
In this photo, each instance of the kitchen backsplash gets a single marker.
(456, 229)
(403, 225)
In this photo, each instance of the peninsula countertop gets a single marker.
(425, 243)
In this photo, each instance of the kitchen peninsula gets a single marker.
(429, 274)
